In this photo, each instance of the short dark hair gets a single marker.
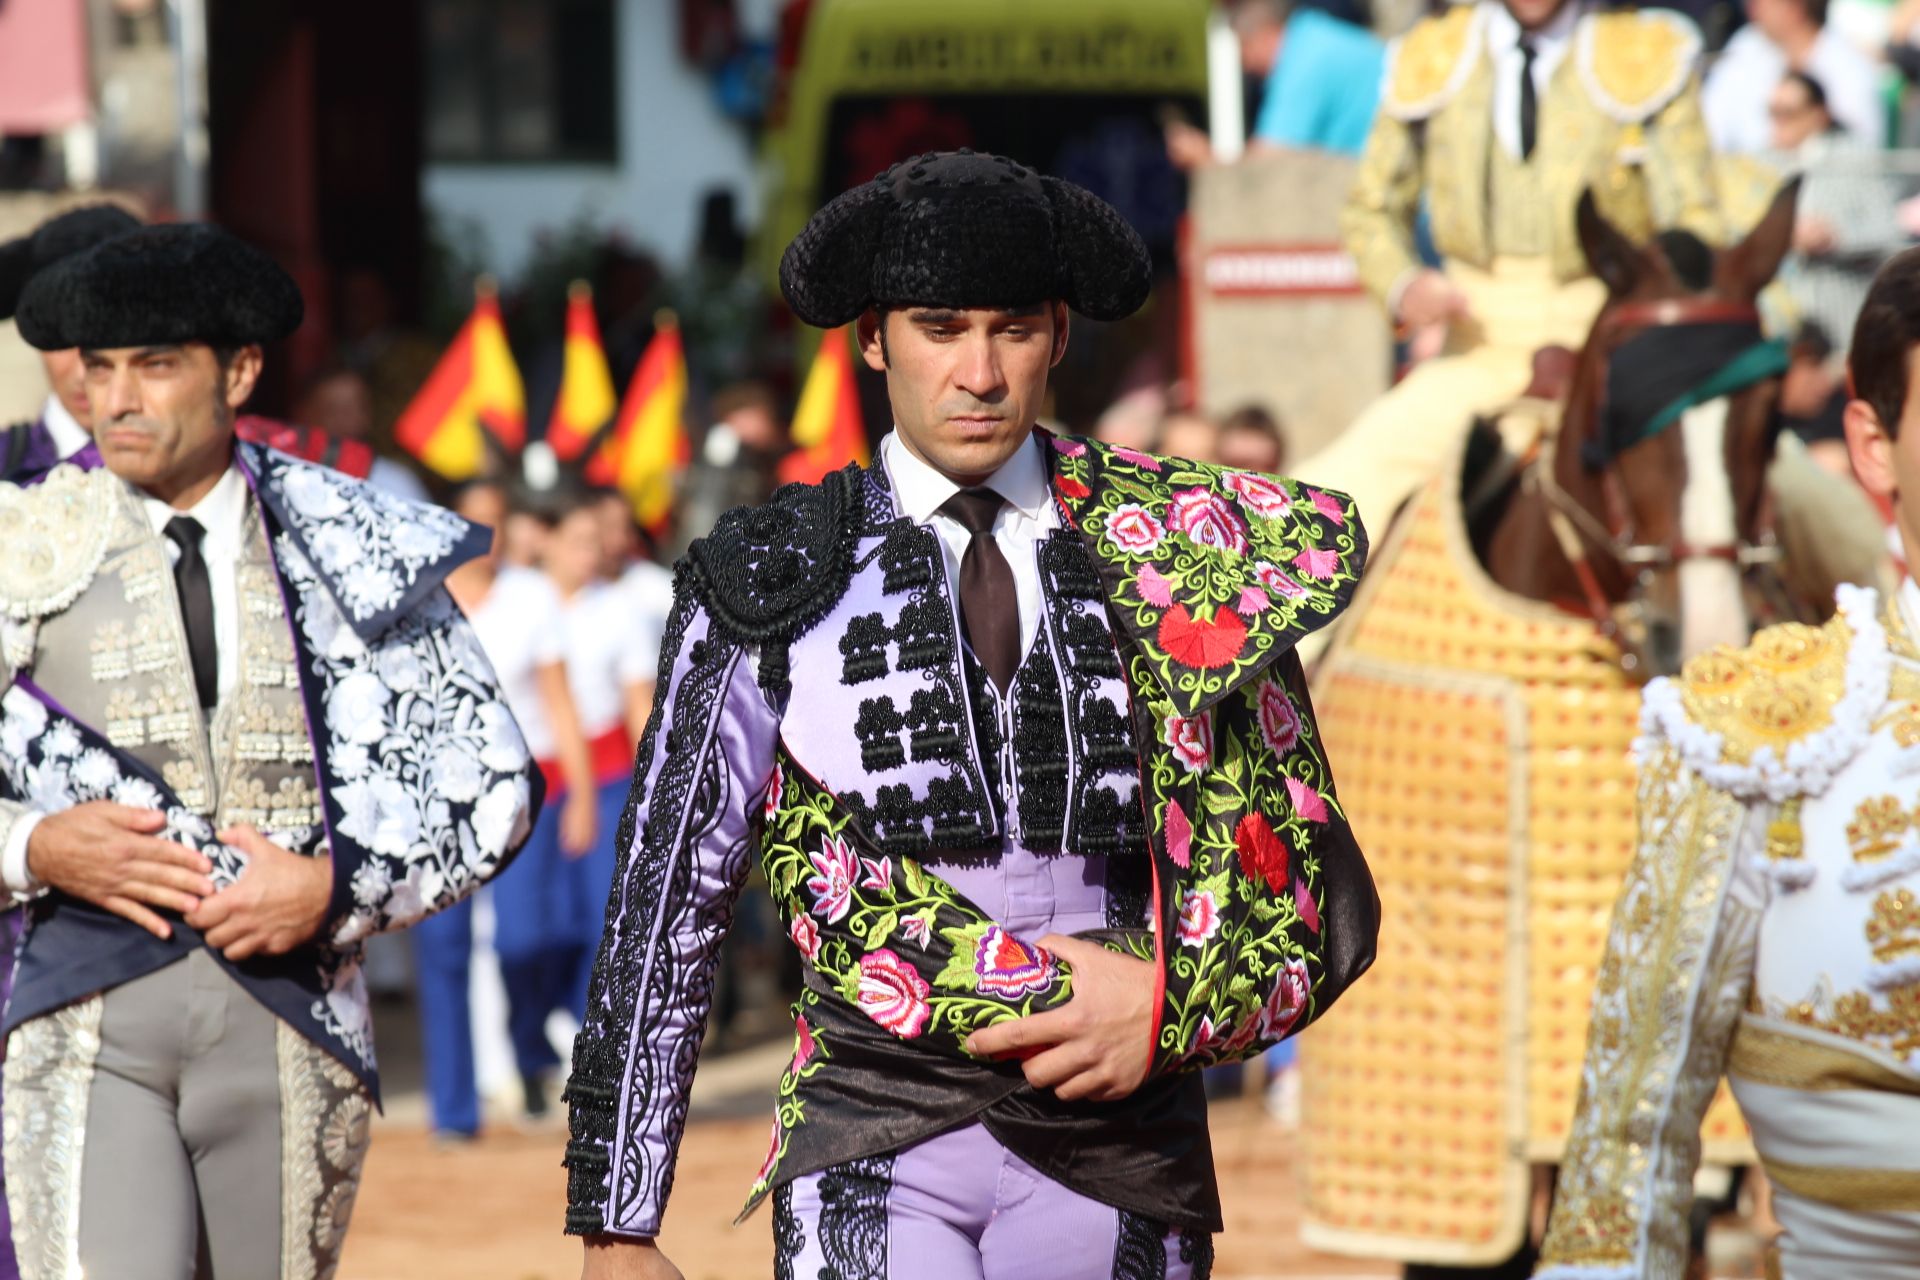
(1883, 338)
(1815, 91)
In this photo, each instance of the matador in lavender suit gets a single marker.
(1012, 724)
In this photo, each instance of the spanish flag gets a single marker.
(475, 387)
(586, 401)
(649, 447)
(827, 430)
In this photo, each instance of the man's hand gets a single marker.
(612, 1258)
(278, 903)
(1431, 299)
(109, 855)
(1095, 1047)
(1188, 148)
(579, 823)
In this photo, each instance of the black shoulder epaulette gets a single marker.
(766, 574)
(13, 447)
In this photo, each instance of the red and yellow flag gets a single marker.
(827, 430)
(649, 447)
(586, 401)
(475, 387)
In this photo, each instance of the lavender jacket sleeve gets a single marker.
(703, 764)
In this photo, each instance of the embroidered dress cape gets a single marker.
(818, 710)
(379, 735)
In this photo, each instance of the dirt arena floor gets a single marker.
(492, 1211)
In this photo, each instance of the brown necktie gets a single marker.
(987, 598)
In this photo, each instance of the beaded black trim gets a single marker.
(1140, 1251)
(1196, 1250)
(768, 573)
(1040, 750)
(689, 789)
(853, 1218)
(789, 1236)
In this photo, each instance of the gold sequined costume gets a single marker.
(1621, 115)
(1770, 928)
(1483, 746)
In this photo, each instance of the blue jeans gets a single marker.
(443, 961)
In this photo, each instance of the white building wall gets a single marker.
(674, 145)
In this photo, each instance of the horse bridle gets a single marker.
(1575, 528)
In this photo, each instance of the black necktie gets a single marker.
(196, 606)
(988, 601)
(1529, 102)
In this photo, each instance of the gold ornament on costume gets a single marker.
(1877, 827)
(55, 536)
(1893, 931)
(1431, 63)
(1635, 63)
(1785, 841)
(1778, 690)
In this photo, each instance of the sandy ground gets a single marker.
(494, 1209)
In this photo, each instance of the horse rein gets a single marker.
(1575, 528)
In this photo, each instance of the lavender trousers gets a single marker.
(962, 1207)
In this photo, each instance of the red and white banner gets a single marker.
(1279, 271)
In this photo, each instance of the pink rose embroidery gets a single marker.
(776, 792)
(831, 885)
(1133, 529)
(1287, 1001)
(1279, 722)
(1154, 587)
(1252, 600)
(1307, 802)
(806, 936)
(1329, 506)
(1179, 836)
(1278, 582)
(1137, 458)
(1191, 738)
(1208, 521)
(1309, 909)
(879, 873)
(1199, 919)
(893, 994)
(1262, 495)
(1317, 563)
(1005, 966)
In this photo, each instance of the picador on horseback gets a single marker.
(1590, 488)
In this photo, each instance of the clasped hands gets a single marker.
(1096, 1047)
(112, 856)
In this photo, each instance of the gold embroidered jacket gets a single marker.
(1769, 928)
(1622, 115)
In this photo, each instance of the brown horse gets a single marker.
(1662, 532)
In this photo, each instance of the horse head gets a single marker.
(1658, 491)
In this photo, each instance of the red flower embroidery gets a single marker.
(893, 994)
(1208, 520)
(1191, 738)
(1287, 1001)
(773, 1154)
(776, 792)
(1133, 529)
(1277, 582)
(1263, 855)
(1003, 965)
(1215, 643)
(806, 936)
(1262, 495)
(1329, 506)
(1137, 458)
(1252, 600)
(1199, 919)
(1317, 563)
(1071, 488)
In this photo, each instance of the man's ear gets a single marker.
(1060, 327)
(243, 371)
(1870, 449)
(873, 344)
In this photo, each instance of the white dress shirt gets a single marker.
(1551, 44)
(223, 514)
(1026, 520)
(69, 437)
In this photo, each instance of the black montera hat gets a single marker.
(179, 282)
(962, 229)
(60, 236)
